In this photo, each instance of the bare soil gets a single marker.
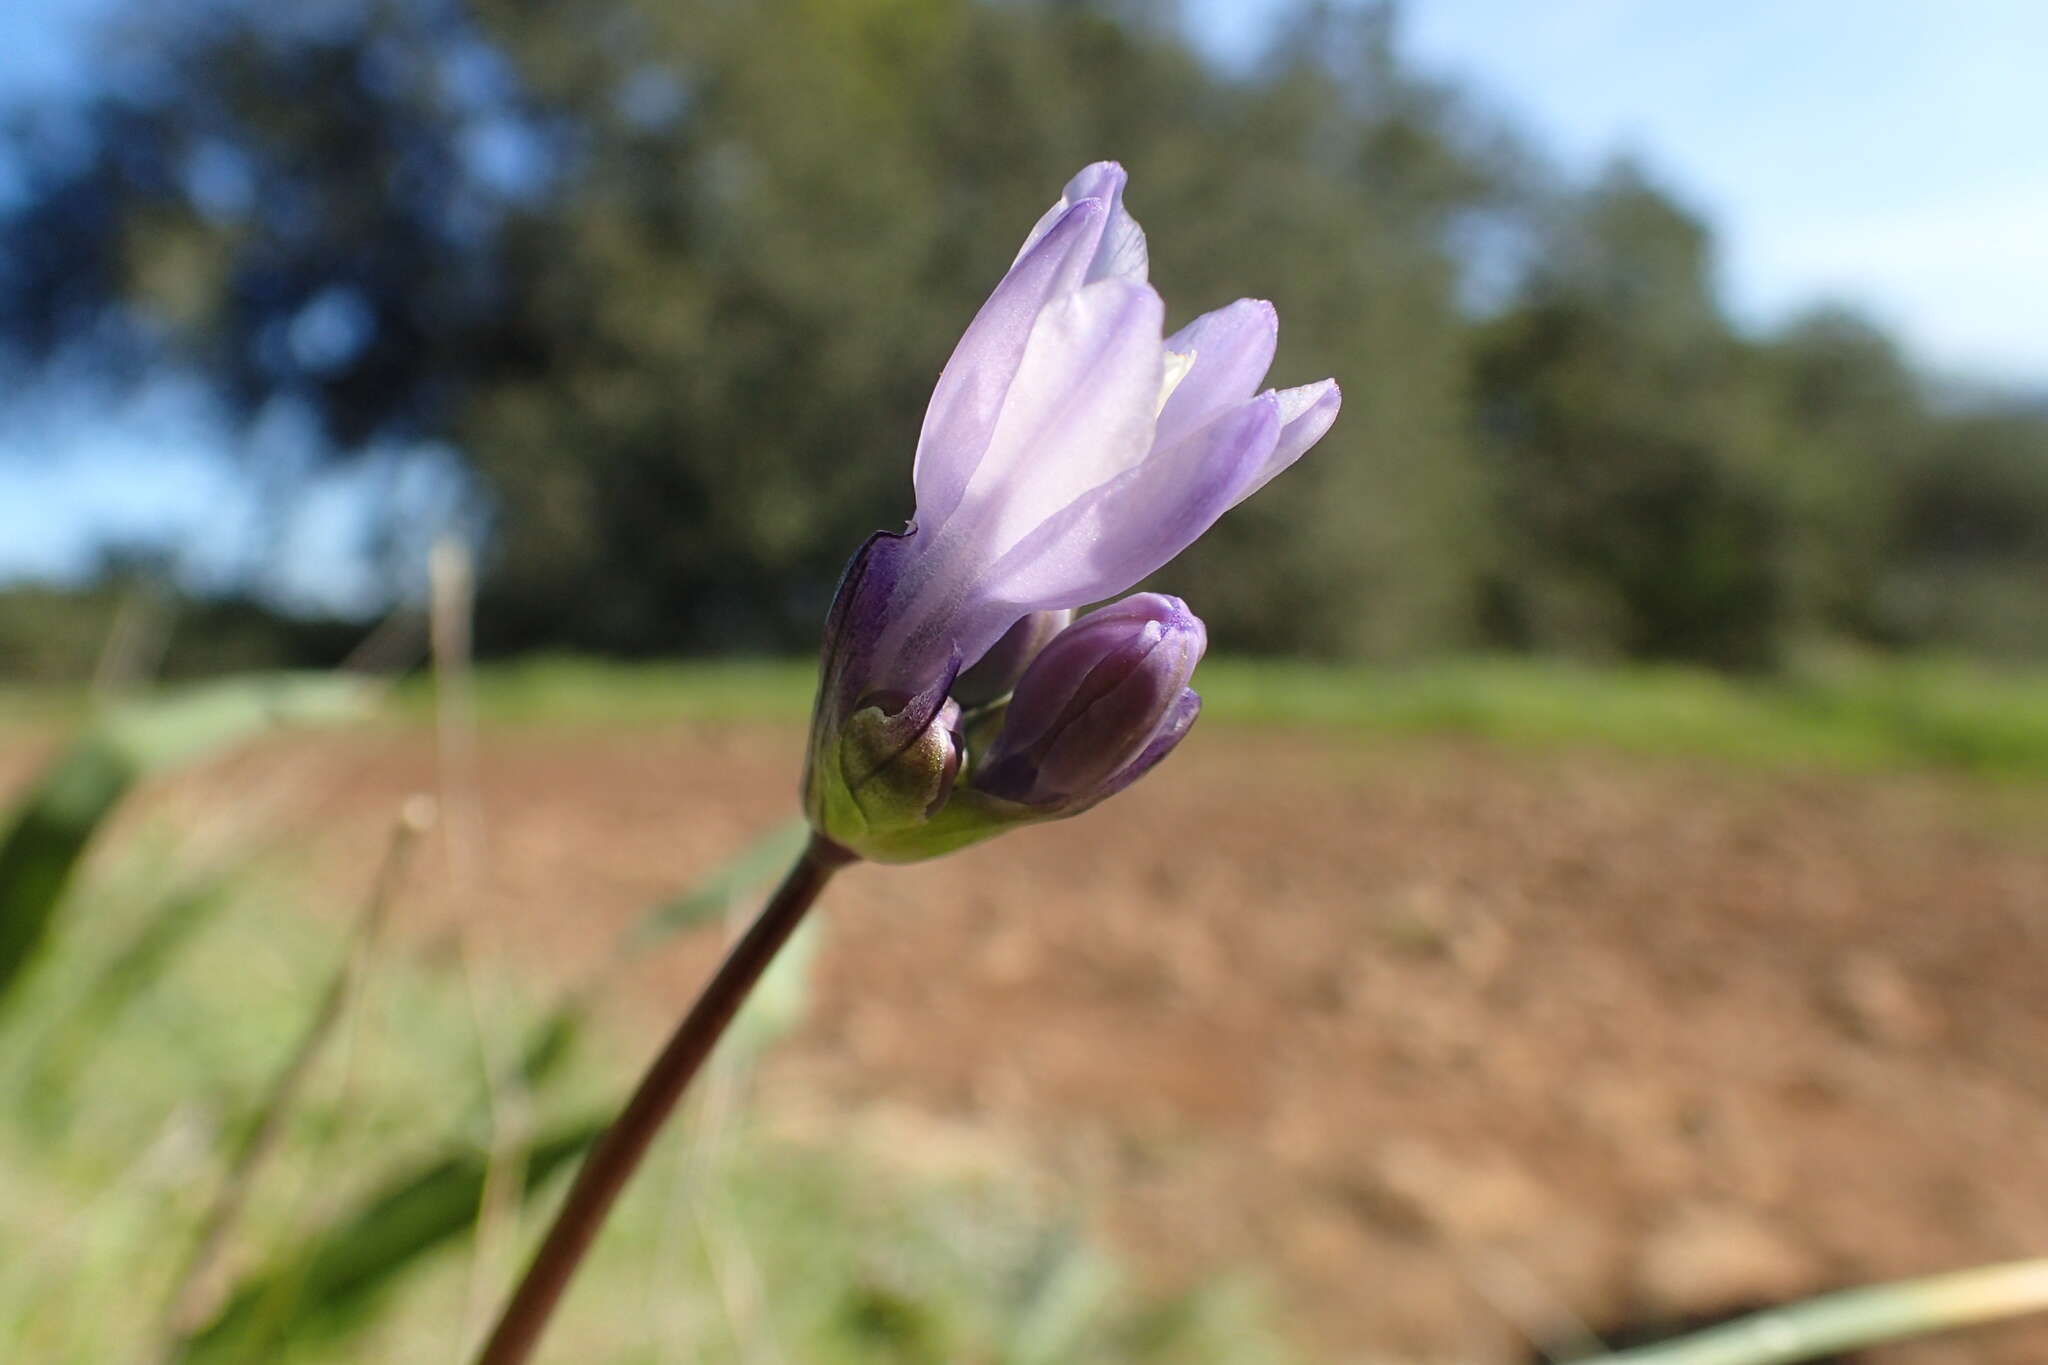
(1451, 1047)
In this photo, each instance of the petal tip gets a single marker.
(1111, 172)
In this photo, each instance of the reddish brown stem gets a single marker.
(619, 1152)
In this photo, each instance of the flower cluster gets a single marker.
(1070, 450)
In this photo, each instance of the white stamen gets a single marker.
(1177, 367)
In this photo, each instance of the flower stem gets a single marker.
(619, 1152)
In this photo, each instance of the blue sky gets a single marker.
(1883, 152)
(1887, 152)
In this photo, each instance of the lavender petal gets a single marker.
(1101, 544)
(1079, 412)
(1232, 350)
(969, 395)
(1120, 249)
(1306, 414)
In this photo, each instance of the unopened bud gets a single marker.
(1100, 704)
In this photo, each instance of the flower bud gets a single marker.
(898, 774)
(1100, 704)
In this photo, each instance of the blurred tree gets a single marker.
(301, 202)
(778, 229)
(1347, 180)
(1851, 423)
(1627, 442)
(676, 281)
(1967, 564)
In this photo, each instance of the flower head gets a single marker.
(1069, 451)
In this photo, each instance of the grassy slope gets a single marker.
(1858, 716)
(114, 1132)
(115, 1124)
(1849, 716)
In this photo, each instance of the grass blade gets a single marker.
(326, 1288)
(51, 829)
(82, 1023)
(1857, 1318)
(56, 821)
(757, 864)
(217, 1227)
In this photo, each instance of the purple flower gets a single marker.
(1070, 450)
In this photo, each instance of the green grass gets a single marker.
(564, 689)
(1858, 714)
(133, 1058)
(134, 1053)
(33, 707)
(1862, 715)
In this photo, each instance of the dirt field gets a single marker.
(1451, 1047)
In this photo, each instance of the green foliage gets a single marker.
(359, 1244)
(560, 688)
(714, 896)
(150, 1041)
(1969, 547)
(1625, 440)
(71, 1033)
(1825, 710)
(55, 822)
(818, 229)
(49, 834)
(686, 341)
(58, 635)
(329, 1282)
(1856, 714)
(1851, 429)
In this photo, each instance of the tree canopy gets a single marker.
(676, 281)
